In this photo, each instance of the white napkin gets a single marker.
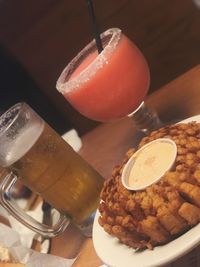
(11, 239)
(26, 235)
(197, 3)
(72, 138)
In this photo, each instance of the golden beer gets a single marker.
(50, 167)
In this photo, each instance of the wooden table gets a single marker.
(105, 146)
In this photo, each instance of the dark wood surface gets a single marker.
(105, 146)
(44, 35)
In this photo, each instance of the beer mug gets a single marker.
(33, 152)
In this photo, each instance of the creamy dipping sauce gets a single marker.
(150, 163)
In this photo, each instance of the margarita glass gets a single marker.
(109, 85)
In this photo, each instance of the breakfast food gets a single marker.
(163, 211)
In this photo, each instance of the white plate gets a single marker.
(116, 254)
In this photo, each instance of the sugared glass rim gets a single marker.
(65, 86)
(19, 107)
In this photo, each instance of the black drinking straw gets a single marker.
(94, 26)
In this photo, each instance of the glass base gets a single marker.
(145, 119)
(86, 226)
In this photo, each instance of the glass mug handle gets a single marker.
(10, 205)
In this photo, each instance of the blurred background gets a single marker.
(38, 39)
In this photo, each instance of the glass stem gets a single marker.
(145, 119)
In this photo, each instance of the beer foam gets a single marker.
(22, 143)
(7, 118)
